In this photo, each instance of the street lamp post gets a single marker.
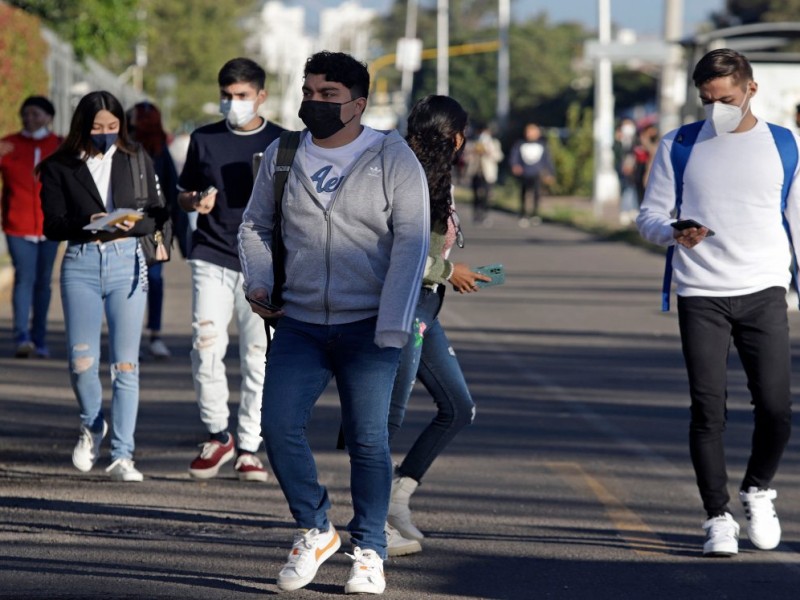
(442, 45)
(606, 182)
(503, 64)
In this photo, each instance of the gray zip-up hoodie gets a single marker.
(363, 256)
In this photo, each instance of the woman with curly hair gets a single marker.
(436, 128)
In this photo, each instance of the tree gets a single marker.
(192, 40)
(22, 64)
(104, 29)
(744, 12)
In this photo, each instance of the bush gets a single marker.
(23, 53)
(573, 157)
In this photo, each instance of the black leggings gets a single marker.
(758, 325)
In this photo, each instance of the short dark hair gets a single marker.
(341, 68)
(241, 70)
(39, 102)
(722, 63)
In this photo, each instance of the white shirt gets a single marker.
(732, 185)
(327, 168)
(100, 168)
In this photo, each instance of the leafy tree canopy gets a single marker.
(103, 29)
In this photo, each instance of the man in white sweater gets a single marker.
(732, 272)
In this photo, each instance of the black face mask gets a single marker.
(103, 141)
(323, 119)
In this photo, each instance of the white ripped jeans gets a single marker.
(216, 297)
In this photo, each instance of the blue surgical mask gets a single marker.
(104, 141)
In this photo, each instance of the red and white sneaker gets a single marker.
(213, 455)
(249, 468)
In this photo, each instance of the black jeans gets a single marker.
(530, 195)
(759, 327)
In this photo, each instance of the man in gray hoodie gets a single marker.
(355, 223)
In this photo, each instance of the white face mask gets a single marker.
(39, 134)
(238, 112)
(726, 117)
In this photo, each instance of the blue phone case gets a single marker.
(496, 272)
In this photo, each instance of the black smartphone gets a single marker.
(207, 191)
(496, 272)
(688, 224)
(263, 304)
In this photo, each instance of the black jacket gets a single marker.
(69, 197)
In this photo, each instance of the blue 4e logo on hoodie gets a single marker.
(326, 187)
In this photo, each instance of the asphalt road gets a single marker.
(573, 483)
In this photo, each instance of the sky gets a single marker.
(643, 16)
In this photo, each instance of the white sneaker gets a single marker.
(88, 448)
(159, 349)
(122, 469)
(397, 545)
(310, 549)
(722, 536)
(366, 576)
(763, 526)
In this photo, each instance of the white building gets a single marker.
(281, 40)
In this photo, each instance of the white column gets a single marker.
(606, 182)
(442, 48)
(503, 65)
(672, 86)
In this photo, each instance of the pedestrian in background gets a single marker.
(483, 155)
(220, 155)
(355, 231)
(144, 124)
(531, 163)
(436, 130)
(32, 254)
(103, 271)
(732, 269)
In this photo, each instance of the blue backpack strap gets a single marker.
(787, 148)
(679, 155)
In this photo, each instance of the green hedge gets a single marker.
(23, 71)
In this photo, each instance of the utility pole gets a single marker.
(503, 65)
(442, 47)
(606, 181)
(671, 96)
(407, 80)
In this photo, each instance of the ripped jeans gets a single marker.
(217, 296)
(99, 279)
(434, 362)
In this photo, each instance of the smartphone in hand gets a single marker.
(496, 272)
(688, 224)
(209, 190)
(263, 304)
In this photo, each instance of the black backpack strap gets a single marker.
(287, 148)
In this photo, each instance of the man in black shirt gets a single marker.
(220, 155)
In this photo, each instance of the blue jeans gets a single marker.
(436, 365)
(155, 296)
(96, 279)
(33, 269)
(302, 360)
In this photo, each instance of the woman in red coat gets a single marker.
(31, 253)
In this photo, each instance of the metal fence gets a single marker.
(70, 80)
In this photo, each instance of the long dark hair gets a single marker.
(79, 138)
(433, 124)
(144, 125)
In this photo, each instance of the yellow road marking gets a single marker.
(632, 529)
